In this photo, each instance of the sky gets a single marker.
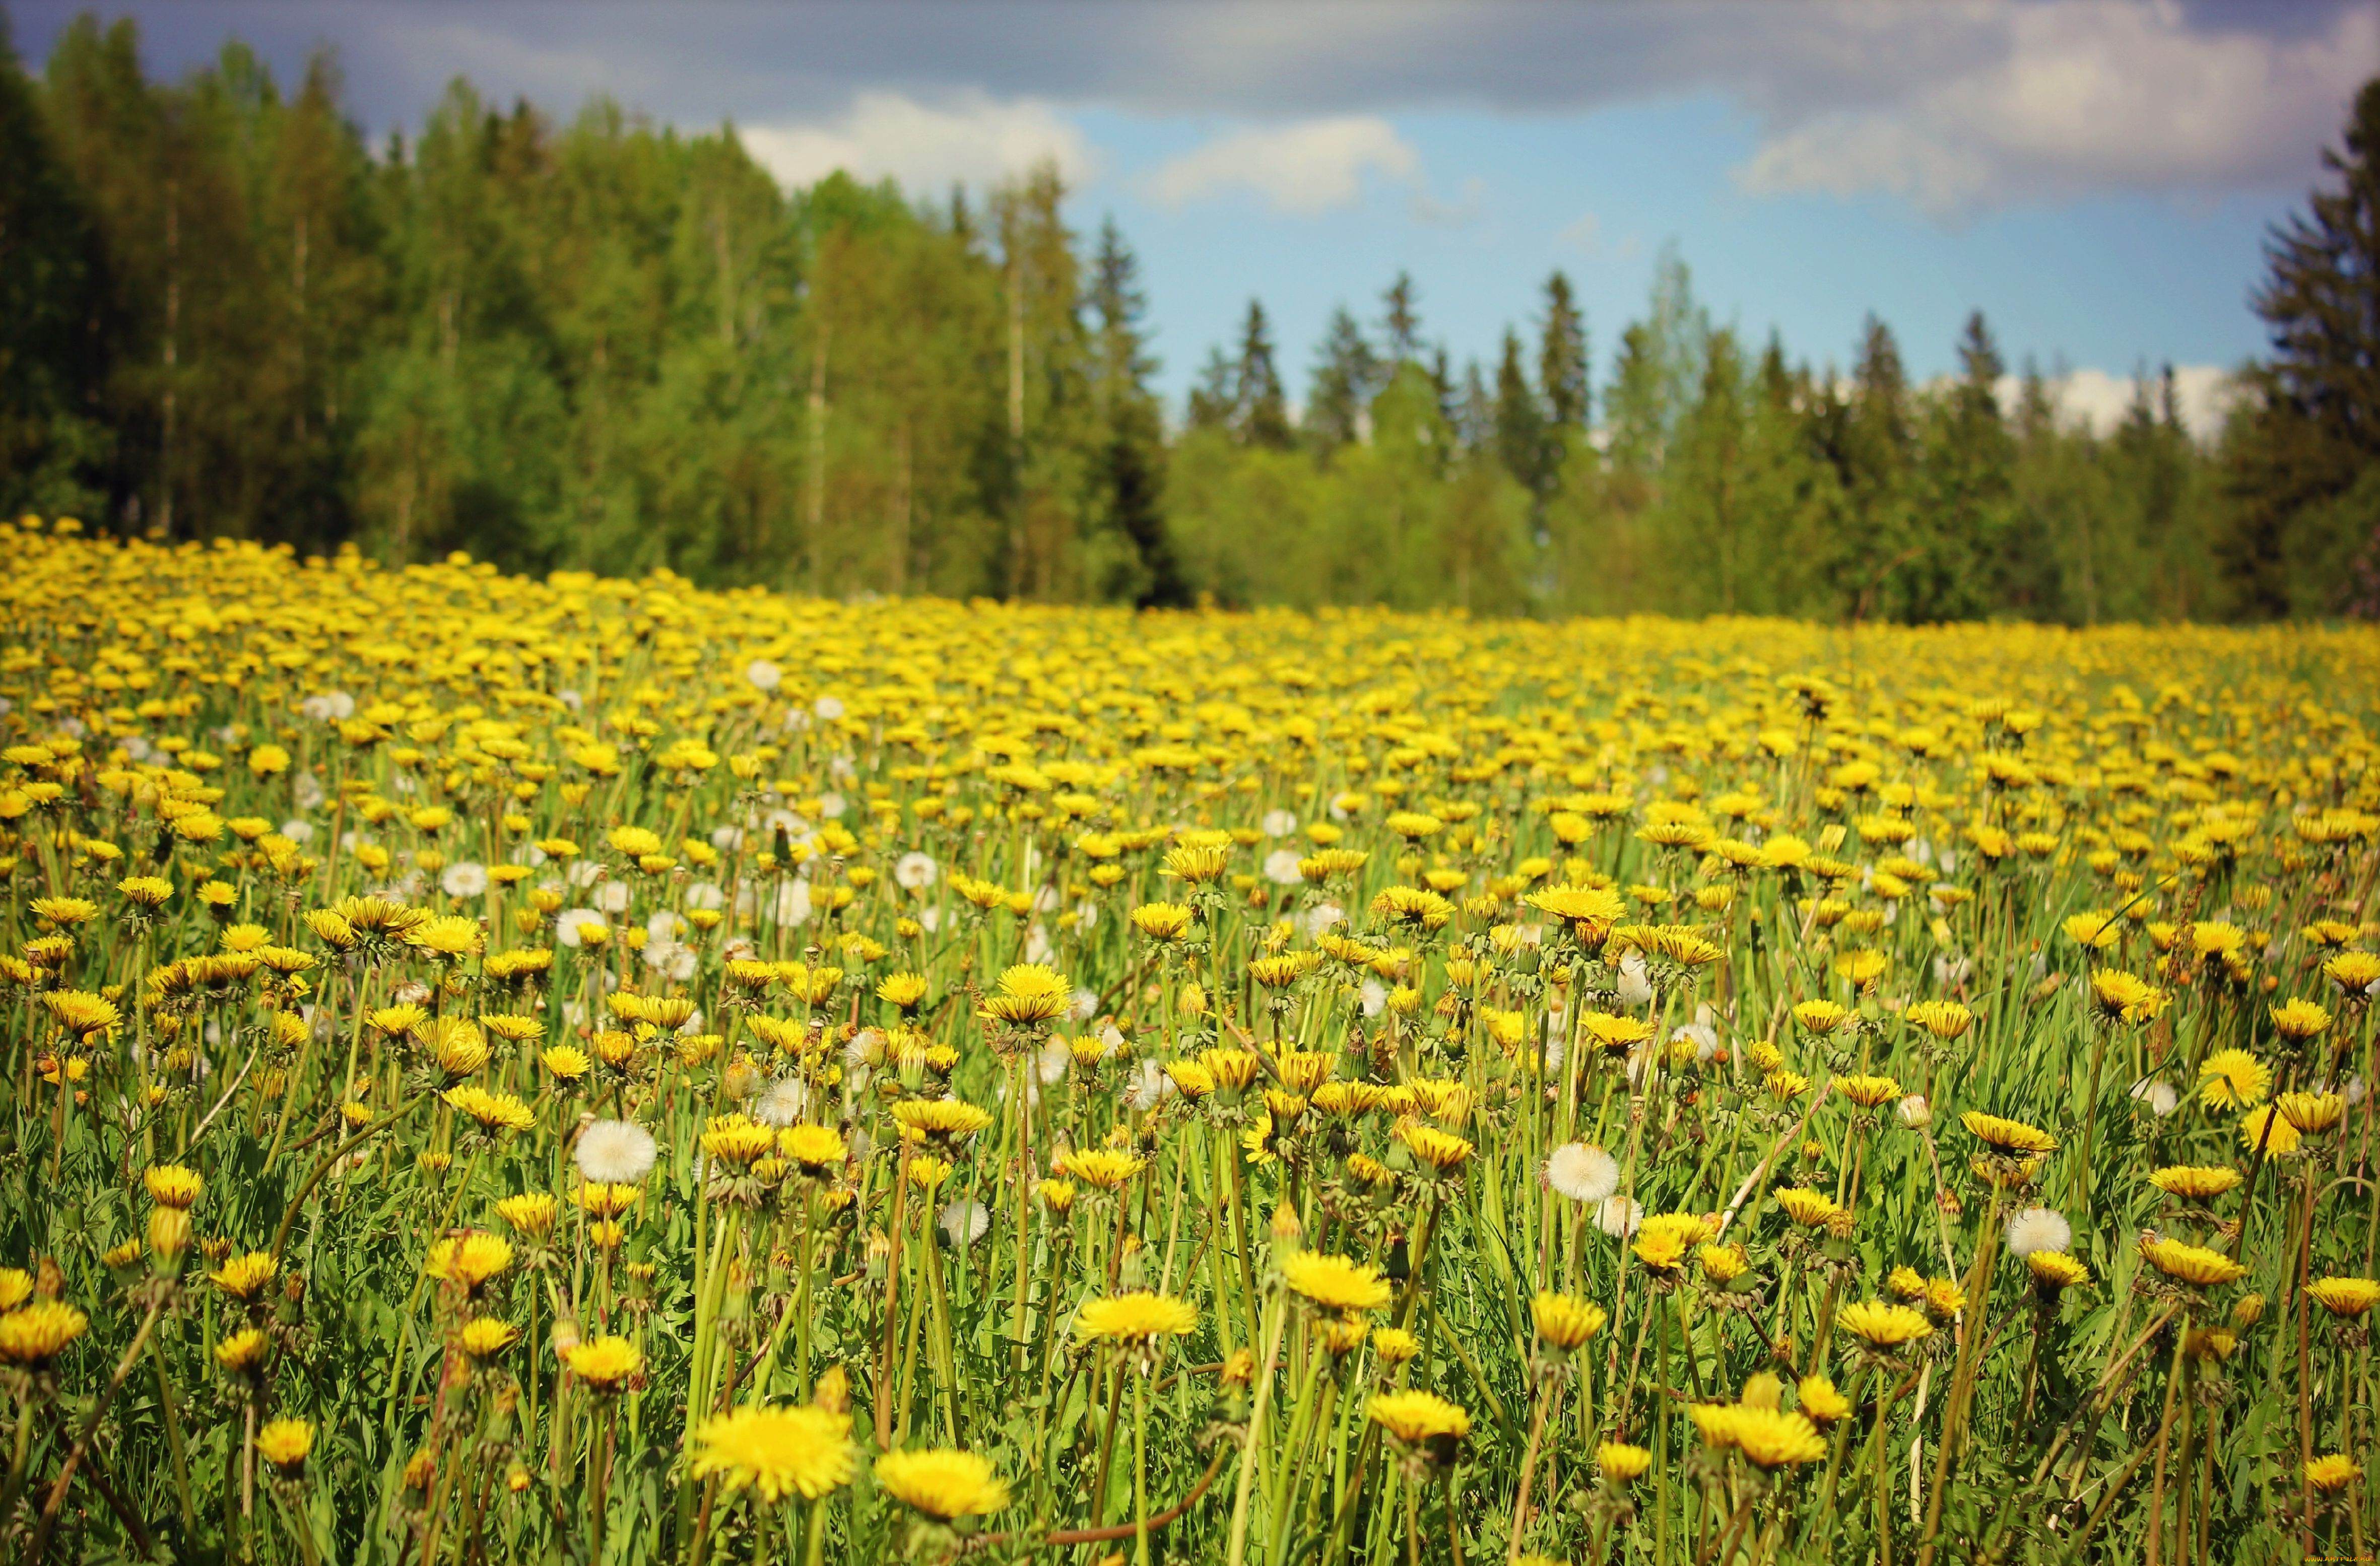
(2097, 176)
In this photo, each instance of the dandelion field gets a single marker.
(588, 1070)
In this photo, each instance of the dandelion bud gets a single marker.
(833, 1393)
(169, 1235)
(1286, 1228)
(1915, 1112)
(1241, 1368)
(2246, 1310)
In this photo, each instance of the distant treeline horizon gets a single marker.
(599, 345)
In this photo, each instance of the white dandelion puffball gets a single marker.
(612, 896)
(831, 806)
(673, 959)
(763, 674)
(783, 1102)
(1635, 984)
(829, 707)
(793, 902)
(964, 1221)
(706, 894)
(1280, 867)
(1320, 918)
(2160, 1096)
(617, 1152)
(1278, 823)
(1145, 1087)
(567, 924)
(2038, 1229)
(1373, 996)
(1582, 1172)
(296, 830)
(1619, 1217)
(915, 871)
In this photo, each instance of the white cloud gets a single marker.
(1305, 168)
(970, 139)
(2099, 401)
(1584, 235)
(2074, 98)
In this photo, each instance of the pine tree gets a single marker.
(1869, 436)
(1132, 474)
(1400, 322)
(52, 361)
(1260, 411)
(1347, 374)
(1212, 397)
(1562, 359)
(1964, 564)
(1521, 426)
(2302, 462)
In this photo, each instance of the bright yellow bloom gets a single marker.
(948, 1120)
(1621, 1464)
(2332, 1471)
(2233, 1079)
(604, 1364)
(284, 1442)
(2056, 1270)
(1881, 1325)
(942, 1483)
(1335, 1282)
(1812, 1209)
(1415, 1417)
(2345, 1296)
(1027, 993)
(493, 1111)
(2194, 1182)
(1768, 1437)
(485, 1337)
(1141, 1316)
(244, 1352)
(2268, 1131)
(38, 1332)
(171, 1186)
(245, 1277)
(1821, 1402)
(2008, 1136)
(2191, 1264)
(776, 1450)
(470, 1259)
(1564, 1322)
(530, 1214)
(1867, 1092)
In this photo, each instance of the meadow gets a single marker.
(606, 1071)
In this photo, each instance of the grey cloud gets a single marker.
(1817, 78)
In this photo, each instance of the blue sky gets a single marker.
(2097, 176)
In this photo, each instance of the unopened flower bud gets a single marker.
(169, 1233)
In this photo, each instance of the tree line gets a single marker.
(606, 345)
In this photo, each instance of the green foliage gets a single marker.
(605, 345)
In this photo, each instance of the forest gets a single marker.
(601, 343)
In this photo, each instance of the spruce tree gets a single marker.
(2305, 531)
(1562, 358)
(1131, 473)
(1260, 411)
(1520, 423)
(1347, 374)
(1402, 321)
